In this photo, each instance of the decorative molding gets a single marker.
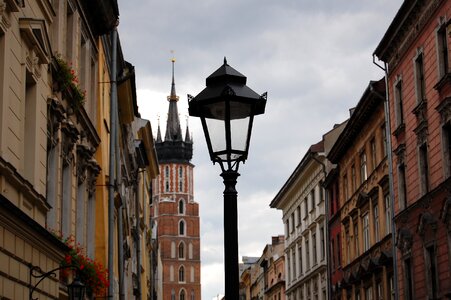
(427, 220)
(69, 140)
(422, 132)
(404, 241)
(446, 211)
(400, 152)
(444, 109)
(410, 28)
(56, 114)
(35, 33)
(5, 23)
(84, 153)
(94, 170)
(15, 5)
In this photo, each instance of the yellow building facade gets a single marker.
(55, 93)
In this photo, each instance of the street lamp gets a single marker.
(227, 108)
(76, 289)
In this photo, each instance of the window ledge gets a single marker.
(400, 129)
(446, 78)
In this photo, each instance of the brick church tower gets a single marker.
(174, 211)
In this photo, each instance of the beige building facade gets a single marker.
(55, 91)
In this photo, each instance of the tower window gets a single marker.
(166, 179)
(181, 207)
(181, 274)
(182, 227)
(180, 179)
(181, 250)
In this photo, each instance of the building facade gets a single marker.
(264, 277)
(48, 137)
(333, 233)
(364, 252)
(175, 212)
(415, 50)
(56, 78)
(302, 201)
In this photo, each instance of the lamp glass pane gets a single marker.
(239, 130)
(216, 130)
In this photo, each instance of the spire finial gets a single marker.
(173, 96)
(225, 60)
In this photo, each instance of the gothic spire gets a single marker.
(173, 129)
(159, 140)
(187, 136)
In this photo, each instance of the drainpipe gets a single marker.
(326, 226)
(112, 161)
(137, 237)
(390, 175)
(120, 222)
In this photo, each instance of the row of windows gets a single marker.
(309, 290)
(420, 82)
(181, 274)
(431, 274)
(350, 184)
(182, 295)
(420, 89)
(373, 291)
(181, 250)
(305, 255)
(180, 181)
(367, 225)
(315, 197)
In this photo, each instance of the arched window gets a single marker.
(182, 227)
(166, 179)
(180, 179)
(181, 274)
(182, 294)
(181, 207)
(182, 250)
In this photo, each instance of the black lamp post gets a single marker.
(227, 108)
(76, 289)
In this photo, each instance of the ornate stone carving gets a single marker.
(69, 139)
(427, 221)
(446, 212)
(94, 170)
(444, 109)
(84, 153)
(422, 132)
(55, 116)
(5, 23)
(404, 240)
(400, 152)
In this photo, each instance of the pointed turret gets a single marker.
(187, 136)
(159, 140)
(173, 148)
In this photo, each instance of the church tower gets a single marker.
(174, 211)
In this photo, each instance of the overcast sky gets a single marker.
(313, 57)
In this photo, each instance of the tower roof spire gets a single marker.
(173, 96)
(174, 148)
(173, 129)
